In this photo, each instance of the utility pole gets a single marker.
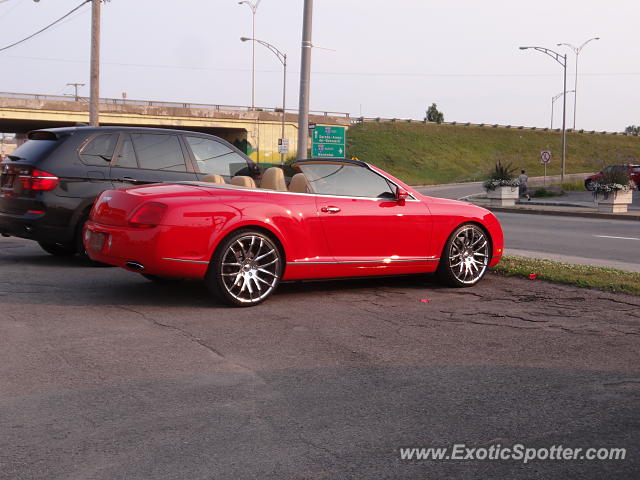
(76, 86)
(305, 79)
(94, 95)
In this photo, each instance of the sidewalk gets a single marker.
(576, 204)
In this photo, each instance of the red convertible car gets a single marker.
(335, 218)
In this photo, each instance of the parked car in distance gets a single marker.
(49, 184)
(336, 218)
(632, 169)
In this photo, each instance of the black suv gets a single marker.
(48, 184)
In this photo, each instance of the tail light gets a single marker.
(39, 180)
(148, 215)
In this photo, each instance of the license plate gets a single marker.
(97, 240)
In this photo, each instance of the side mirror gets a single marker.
(401, 195)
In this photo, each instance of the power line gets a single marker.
(45, 28)
(329, 73)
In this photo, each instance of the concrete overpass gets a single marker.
(255, 132)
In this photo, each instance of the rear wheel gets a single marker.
(246, 269)
(58, 249)
(465, 257)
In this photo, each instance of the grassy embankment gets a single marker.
(606, 279)
(422, 154)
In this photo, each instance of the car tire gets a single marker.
(465, 257)
(246, 268)
(58, 249)
(588, 184)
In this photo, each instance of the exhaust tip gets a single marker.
(135, 266)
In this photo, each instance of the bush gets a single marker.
(543, 192)
(501, 176)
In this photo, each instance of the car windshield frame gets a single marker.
(393, 186)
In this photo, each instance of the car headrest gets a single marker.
(299, 184)
(243, 181)
(273, 179)
(213, 178)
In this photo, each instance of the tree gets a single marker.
(633, 129)
(433, 115)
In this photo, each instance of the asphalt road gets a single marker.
(104, 375)
(591, 241)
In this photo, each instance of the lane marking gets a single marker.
(617, 238)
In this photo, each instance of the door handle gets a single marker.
(128, 179)
(330, 209)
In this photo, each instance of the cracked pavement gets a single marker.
(105, 375)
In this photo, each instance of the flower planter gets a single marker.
(503, 196)
(614, 202)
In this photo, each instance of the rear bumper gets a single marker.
(34, 227)
(154, 249)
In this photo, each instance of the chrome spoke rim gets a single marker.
(469, 255)
(250, 268)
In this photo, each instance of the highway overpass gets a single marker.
(255, 132)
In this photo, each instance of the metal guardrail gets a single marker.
(154, 103)
(357, 120)
(244, 108)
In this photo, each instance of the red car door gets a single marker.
(375, 230)
(362, 221)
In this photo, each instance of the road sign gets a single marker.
(329, 151)
(283, 145)
(328, 141)
(545, 157)
(312, 126)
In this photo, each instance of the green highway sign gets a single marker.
(320, 150)
(328, 141)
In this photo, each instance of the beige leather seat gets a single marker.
(273, 179)
(299, 184)
(214, 178)
(242, 181)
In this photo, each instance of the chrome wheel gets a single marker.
(465, 256)
(249, 268)
(469, 254)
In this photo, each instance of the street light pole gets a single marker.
(553, 100)
(305, 79)
(562, 60)
(253, 6)
(283, 59)
(94, 78)
(577, 51)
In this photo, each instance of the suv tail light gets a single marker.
(148, 215)
(39, 180)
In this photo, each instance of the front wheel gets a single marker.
(588, 184)
(246, 269)
(465, 256)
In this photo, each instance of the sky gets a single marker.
(389, 59)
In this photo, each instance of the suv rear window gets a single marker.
(99, 150)
(33, 150)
